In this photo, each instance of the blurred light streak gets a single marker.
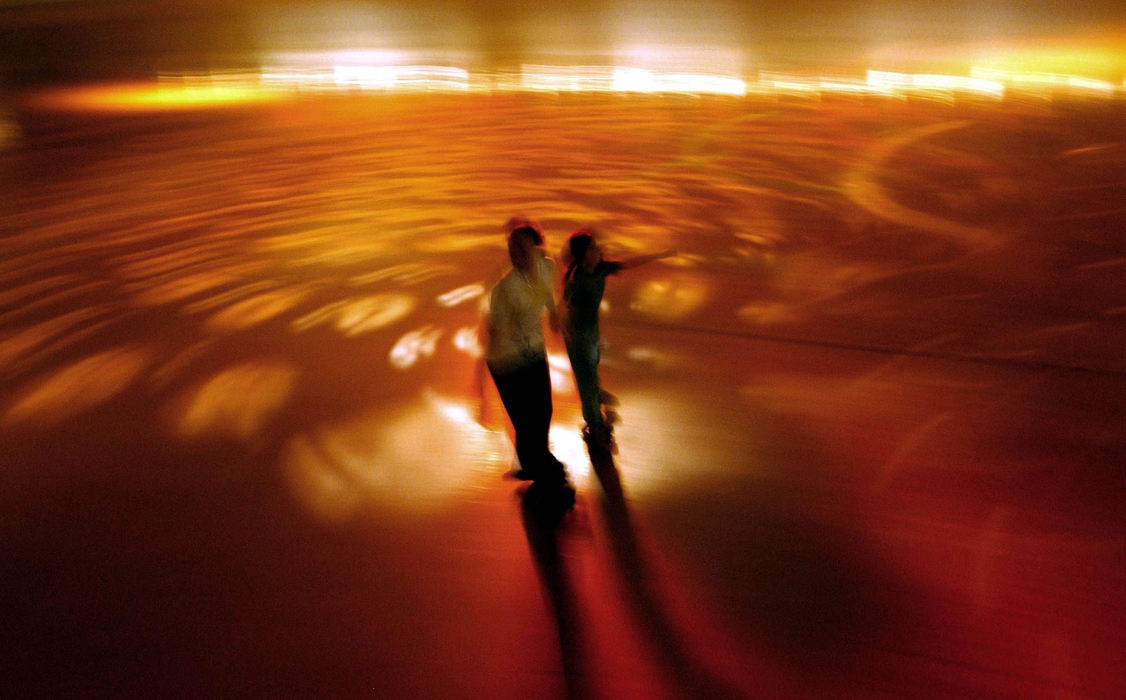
(292, 60)
(925, 82)
(354, 317)
(346, 72)
(1050, 82)
(460, 295)
(373, 460)
(239, 401)
(163, 95)
(24, 341)
(768, 313)
(171, 368)
(257, 309)
(181, 288)
(414, 346)
(423, 78)
(60, 343)
(699, 84)
(36, 288)
(864, 187)
(1100, 56)
(453, 243)
(406, 273)
(78, 291)
(159, 262)
(633, 80)
(626, 79)
(229, 296)
(771, 83)
(78, 387)
(566, 78)
(360, 69)
(842, 86)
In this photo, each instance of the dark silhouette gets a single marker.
(545, 521)
(543, 515)
(583, 287)
(516, 356)
(670, 650)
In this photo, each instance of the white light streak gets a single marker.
(926, 82)
(461, 295)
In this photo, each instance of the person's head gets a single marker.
(583, 250)
(584, 245)
(523, 241)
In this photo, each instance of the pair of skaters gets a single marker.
(515, 354)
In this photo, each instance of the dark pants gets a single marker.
(526, 395)
(583, 353)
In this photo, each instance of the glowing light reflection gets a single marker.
(466, 340)
(239, 401)
(425, 78)
(348, 73)
(626, 79)
(406, 273)
(22, 342)
(373, 460)
(568, 447)
(924, 82)
(354, 317)
(181, 94)
(671, 298)
(79, 387)
(414, 346)
(655, 454)
(768, 313)
(559, 370)
(257, 309)
(181, 288)
(1051, 82)
(461, 294)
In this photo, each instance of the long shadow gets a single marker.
(691, 677)
(543, 513)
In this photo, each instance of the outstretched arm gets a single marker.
(642, 259)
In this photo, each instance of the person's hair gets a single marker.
(528, 230)
(578, 244)
(524, 231)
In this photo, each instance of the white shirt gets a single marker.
(516, 307)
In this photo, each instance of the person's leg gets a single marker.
(539, 423)
(584, 365)
(526, 395)
(514, 395)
